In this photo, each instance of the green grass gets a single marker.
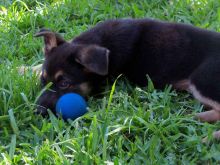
(129, 125)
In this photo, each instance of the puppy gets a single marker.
(181, 55)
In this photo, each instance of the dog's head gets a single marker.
(70, 67)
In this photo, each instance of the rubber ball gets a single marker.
(71, 106)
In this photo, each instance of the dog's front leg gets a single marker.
(35, 69)
(209, 116)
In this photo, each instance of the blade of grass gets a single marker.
(13, 122)
(12, 146)
(112, 92)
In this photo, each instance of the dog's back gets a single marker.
(167, 52)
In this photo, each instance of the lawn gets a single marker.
(128, 125)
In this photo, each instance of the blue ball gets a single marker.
(71, 106)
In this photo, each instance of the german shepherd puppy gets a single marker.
(181, 55)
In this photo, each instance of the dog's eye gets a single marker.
(64, 84)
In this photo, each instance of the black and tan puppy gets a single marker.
(184, 56)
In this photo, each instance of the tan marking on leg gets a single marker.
(59, 73)
(182, 85)
(205, 100)
(209, 116)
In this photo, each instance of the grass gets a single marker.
(128, 125)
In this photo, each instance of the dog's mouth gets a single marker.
(46, 101)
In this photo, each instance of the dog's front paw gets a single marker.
(41, 111)
(209, 116)
(216, 135)
(35, 69)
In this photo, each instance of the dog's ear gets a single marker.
(94, 58)
(51, 39)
